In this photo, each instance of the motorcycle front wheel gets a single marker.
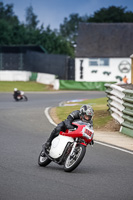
(75, 159)
(43, 160)
(25, 98)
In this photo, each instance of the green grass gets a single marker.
(8, 86)
(101, 115)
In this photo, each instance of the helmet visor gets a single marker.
(88, 113)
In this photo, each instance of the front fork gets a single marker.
(73, 147)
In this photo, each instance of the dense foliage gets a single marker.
(13, 32)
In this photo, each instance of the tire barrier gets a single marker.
(120, 103)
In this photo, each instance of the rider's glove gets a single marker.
(92, 142)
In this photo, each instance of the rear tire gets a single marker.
(73, 161)
(43, 160)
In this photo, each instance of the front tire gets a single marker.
(25, 98)
(74, 160)
(43, 160)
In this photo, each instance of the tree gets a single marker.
(7, 21)
(54, 43)
(69, 29)
(31, 18)
(7, 14)
(112, 14)
(5, 32)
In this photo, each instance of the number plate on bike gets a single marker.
(88, 131)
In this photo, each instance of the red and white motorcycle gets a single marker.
(69, 147)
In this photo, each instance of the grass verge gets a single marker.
(8, 86)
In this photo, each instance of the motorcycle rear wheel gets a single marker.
(43, 160)
(74, 160)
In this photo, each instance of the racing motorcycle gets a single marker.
(69, 147)
(20, 97)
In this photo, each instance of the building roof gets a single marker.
(104, 40)
(21, 48)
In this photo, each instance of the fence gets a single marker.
(34, 59)
(120, 103)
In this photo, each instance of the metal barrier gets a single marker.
(120, 103)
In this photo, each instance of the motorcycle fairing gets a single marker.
(58, 145)
(83, 131)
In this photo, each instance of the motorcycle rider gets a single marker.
(16, 93)
(85, 114)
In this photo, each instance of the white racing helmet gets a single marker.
(15, 89)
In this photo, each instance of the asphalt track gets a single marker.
(105, 173)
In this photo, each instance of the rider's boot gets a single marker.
(45, 148)
(53, 134)
(48, 143)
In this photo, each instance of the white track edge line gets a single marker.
(114, 147)
(46, 112)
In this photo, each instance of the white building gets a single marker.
(103, 52)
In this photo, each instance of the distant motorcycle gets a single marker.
(69, 147)
(20, 97)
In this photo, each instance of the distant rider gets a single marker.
(17, 93)
(85, 114)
